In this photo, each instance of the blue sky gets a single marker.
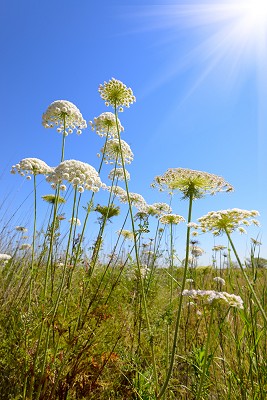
(196, 71)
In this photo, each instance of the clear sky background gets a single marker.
(198, 70)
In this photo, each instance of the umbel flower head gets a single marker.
(75, 221)
(191, 183)
(81, 175)
(117, 173)
(157, 209)
(211, 296)
(116, 94)
(174, 219)
(65, 116)
(105, 125)
(112, 152)
(32, 166)
(218, 222)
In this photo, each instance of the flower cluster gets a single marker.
(127, 235)
(105, 125)
(65, 116)
(25, 246)
(81, 175)
(171, 219)
(226, 220)
(196, 251)
(116, 94)
(135, 198)
(75, 221)
(219, 280)
(210, 296)
(32, 166)
(113, 152)
(157, 209)
(117, 173)
(191, 183)
(21, 229)
(4, 258)
(219, 247)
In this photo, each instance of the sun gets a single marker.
(253, 15)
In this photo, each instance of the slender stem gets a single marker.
(205, 357)
(179, 311)
(63, 138)
(246, 277)
(33, 241)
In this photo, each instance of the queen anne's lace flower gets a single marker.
(117, 173)
(112, 152)
(81, 175)
(227, 220)
(25, 246)
(75, 221)
(105, 125)
(191, 183)
(65, 116)
(135, 198)
(116, 94)
(127, 235)
(210, 296)
(4, 258)
(219, 280)
(218, 247)
(21, 229)
(157, 209)
(171, 219)
(32, 166)
(196, 251)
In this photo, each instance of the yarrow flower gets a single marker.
(112, 152)
(21, 229)
(81, 175)
(65, 116)
(191, 183)
(105, 125)
(116, 94)
(171, 219)
(75, 221)
(227, 220)
(210, 296)
(118, 174)
(32, 166)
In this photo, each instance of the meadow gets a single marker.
(77, 323)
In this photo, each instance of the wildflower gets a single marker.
(32, 166)
(117, 190)
(171, 219)
(116, 94)
(127, 235)
(65, 116)
(144, 269)
(136, 199)
(219, 280)
(189, 280)
(210, 296)
(75, 221)
(78, 173)
(118, 174)
(51, 199)
(25, 246)
(114, 152)
(157, 209)
(4, 258)
(227, 220)
(219, 247)
(196, 251)
(191, 183)
(105, 125)
(21, 229)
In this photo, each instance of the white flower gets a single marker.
(25, 246)
(196, 251)
(157, 209)
(127, 235)
(78, 173)
(116, 94)
(209, 296)
(21, 229)
(4, 258)
(105, 125)
(75, 221)
(65, 116)
(219, 280)
(171, 219)
(32, 166)
(118, 174)
(135, 198)
(191, 183)
(112, 152)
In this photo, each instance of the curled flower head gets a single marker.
(211, 296)
(81, 175)
(218, 222)
(105, 125)
(32, 166)
(65, 116)
(117, 173)
(116, 94)
(191, 183)
(75, 221)
(171, 219)
(112, 152)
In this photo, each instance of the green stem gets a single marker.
(246, 277)
(179, 311)
(63, 138)
(203, 374)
